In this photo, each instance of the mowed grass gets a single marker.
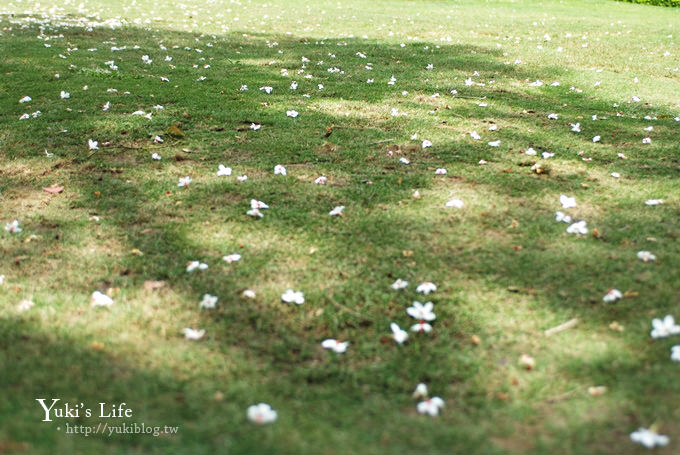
(505, 270)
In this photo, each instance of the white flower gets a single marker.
(184, 182)
(616, 175)
(578, 228)
(547, 155)
(24, 117)
(420, 391)
(404, 160)
(249, 294)
(26, 99)
(146, 60)
(267, 89)
(612, 296)
(193, 265)
(158, 139)
(455, 203)
(139, 113)
(321, 180)
(635, 99)
(421, 326)
(398, 334)
(107, 106)
(422, 312)
(13, 227)
(440, 171)
(553, 117)
(648, 438)
(295, 297)
(567, 202)
(530, 152)
(292, 113)
(255, 204)
(261, 414)
(193, 334)
(426, 144)
(431, 406)
(474, 135)
(255, 126)
(231, 258)
(675, 353)
(494, 143)
(426, 287)
(25, 305)
(335, 345)
(244, 88)
(2, 280)
(92, 145)
(493, 127)
(647, 140)
(654, 202)
(155, 157)
(255, 213)
(222, 170)
(99, 299)
(562, 217)
(279, 170)
(429, 66)
(65, 95)
(596, 139)
(208, 301)
(337, 211)
(399, 284)
(665, 327)
(646, 256)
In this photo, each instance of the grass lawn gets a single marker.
(504, 268)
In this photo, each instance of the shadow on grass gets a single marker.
(364, 251)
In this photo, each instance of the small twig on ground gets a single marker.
(562, 396)
(564, 326)
(349, 310)
(383, 141)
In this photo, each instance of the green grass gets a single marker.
(505, 270)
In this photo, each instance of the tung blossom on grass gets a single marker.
(612, 296)
(99, 299)
(223, 171)
(184, 182)
(296, 297)
(426, 287)
(399, 335)
(420, 391)
(92, 145)
(208, 302)
(431, 406)
(561, 217)
(580, 227)
(662, 328)
(193, 334)
(337, 211)
(231, 258)
(649, 438)
(646, 256)
(335, 345)
(567, 202)
(261, 414)
(455, 203)
(13, 227)
(421, 311)
(196, 265)
(280, 170)
(399, 284)
(675, 353)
